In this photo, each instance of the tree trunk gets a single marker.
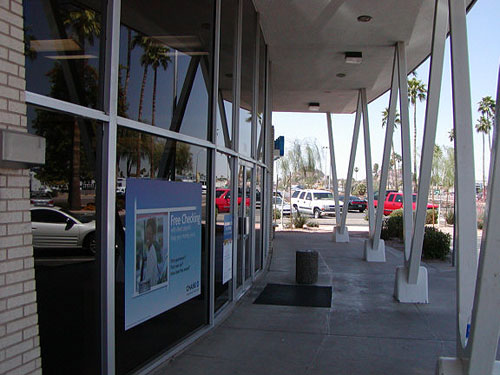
(129, 52)
(484, 178)
(415, 147)
(153, 111)
(139, 118)
(74, 198)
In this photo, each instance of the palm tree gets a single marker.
(451, 135)
(416, 91)
(385, 117)
(486, 107)
(145, 43)
(158, 56)
(85, 25)
(483, 126)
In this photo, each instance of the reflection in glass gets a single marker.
(259, 201)
(224, 115)
(241, 215)
(262, 97)
(170, 160)
(248, 219)
(247, 75)
(223, 212)
(166, 65)
(63, 216)
(62, 47)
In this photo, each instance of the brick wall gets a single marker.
(19, 340)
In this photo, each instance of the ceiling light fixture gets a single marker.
(353, 57)
(341, 75)
(364, 18)
(314, 106)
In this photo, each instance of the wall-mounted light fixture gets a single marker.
(353, 57)
(314, 106)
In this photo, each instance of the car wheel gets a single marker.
(89, 244)
(361, 210)
(317, 213)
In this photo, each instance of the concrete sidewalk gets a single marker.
(364, 332)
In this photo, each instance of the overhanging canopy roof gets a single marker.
(307, 40)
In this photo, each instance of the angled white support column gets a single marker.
(485, 326)
(333, 170)
(376, 242)
(405, 148)
(342, 234)
(371, 254)
(465, 200)
(412, 282)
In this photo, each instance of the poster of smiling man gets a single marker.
(162, 247)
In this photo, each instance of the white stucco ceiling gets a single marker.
(307, 40)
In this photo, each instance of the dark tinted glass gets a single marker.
(302, 195)
(308, 197)
(224, 115)
(262, 98)
(259, 209)
(62, 47)
(166, 64)
(67, 269)
(399, 198)
(391, 198)
(166, 160)
(247, 77)
(223, 232)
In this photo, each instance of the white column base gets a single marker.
(374, 255)
(339, 236)
(411, 293)
(457, 366)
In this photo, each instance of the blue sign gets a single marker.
(279, 144)
(162, 247)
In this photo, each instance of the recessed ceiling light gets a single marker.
(353, 57)
(314, 106)
(364, 18)
(341, 75)
(327, 91)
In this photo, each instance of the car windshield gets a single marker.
(218, 193)
(414, 198)
(277, 200)
(83, 218)
(322, 196)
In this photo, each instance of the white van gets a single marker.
(314, 202)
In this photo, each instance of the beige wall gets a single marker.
(19, 340)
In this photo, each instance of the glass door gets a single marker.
(244, 250)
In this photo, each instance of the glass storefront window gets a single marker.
(166, 64)
(223, 230)
(171, 162)
(259, 209)
(63, 218)
(261, 106)
(247, 77)
(62, 48)
(224, 115)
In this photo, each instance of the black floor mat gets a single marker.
(295, 295)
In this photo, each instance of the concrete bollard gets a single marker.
(306, 267)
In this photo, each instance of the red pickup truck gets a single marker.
(394, 201)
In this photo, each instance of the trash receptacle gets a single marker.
(306, 267)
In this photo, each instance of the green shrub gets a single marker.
(312, 224)
(277, 214)
(436, 244)
(450, 217)
(480, 220)
(394, 224)
(299, 221)
(429, 216)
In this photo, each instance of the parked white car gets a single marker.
(58, 228)
(314, 202)
(281, 205)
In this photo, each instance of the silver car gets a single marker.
(59, 228)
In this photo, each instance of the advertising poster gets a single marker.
(162, 247)
(227, 256)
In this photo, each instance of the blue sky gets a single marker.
(484, 58)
